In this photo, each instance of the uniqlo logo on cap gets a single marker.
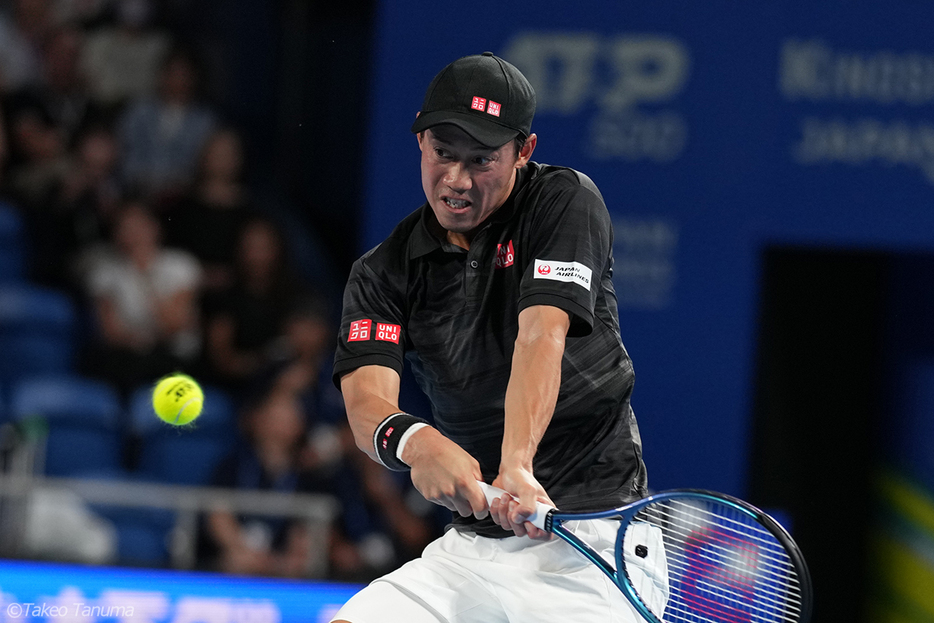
(360, 330)
(493, 108)
(479, 103)
(388, 332)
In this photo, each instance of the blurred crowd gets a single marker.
(133, 190)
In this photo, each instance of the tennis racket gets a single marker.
(695, 557)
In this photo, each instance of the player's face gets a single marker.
(464, 181)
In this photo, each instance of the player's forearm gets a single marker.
(441, 470)
(531, 395)
(364, 416)
(368, 399)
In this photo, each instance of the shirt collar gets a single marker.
(508, 209)
(422, 241)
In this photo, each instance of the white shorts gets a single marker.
(464, 578)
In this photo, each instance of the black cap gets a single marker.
(484, 96)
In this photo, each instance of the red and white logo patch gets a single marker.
(493, 108)
(388, 332)
(479, 103)
(505, 254)
(568, 272)
(360, 330)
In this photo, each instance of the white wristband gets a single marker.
(405, 438)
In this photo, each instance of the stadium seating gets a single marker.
(12, 245)
(37, 331)
(80, 416)
(82, 419)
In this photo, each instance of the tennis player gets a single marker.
(498, 292)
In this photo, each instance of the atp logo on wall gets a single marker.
(632, 81)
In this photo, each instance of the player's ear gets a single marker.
(420, 135)
(525, 154)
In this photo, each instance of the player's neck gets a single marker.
(460, 240)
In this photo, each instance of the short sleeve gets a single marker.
(569, 246)
(372, 323)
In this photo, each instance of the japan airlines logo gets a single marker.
(569, 272)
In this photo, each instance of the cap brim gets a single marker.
(484, 131)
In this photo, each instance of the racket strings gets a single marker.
(723, 566)
(743, 528)
(717, 569)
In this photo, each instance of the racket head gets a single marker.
(725, 561)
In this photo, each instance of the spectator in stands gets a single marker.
(145, 297)
(23, 30)
(299, 364)
(122, 60)
(62, 93)
(38, 157)
(283, 449)
(218, 203)
(88, 14)
(246, 320)
(82, 212)
(163, 137)
(274, 432)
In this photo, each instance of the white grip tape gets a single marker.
(537, 518)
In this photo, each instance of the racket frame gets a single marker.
(554, 522)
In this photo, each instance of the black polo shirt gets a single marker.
(454, 315)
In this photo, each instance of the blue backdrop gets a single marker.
(714, 130)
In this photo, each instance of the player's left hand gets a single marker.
(511, 511)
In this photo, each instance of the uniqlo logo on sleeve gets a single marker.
(493, 108)
(479, 103)
(360, 330)
(388, 332)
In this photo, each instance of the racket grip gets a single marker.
(537, 518)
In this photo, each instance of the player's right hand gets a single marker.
(444, 473)
(525, 493)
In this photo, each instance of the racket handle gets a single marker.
(537, 518)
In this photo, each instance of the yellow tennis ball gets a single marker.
(177, 399)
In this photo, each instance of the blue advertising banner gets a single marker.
(69, 593)
(714, 130)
